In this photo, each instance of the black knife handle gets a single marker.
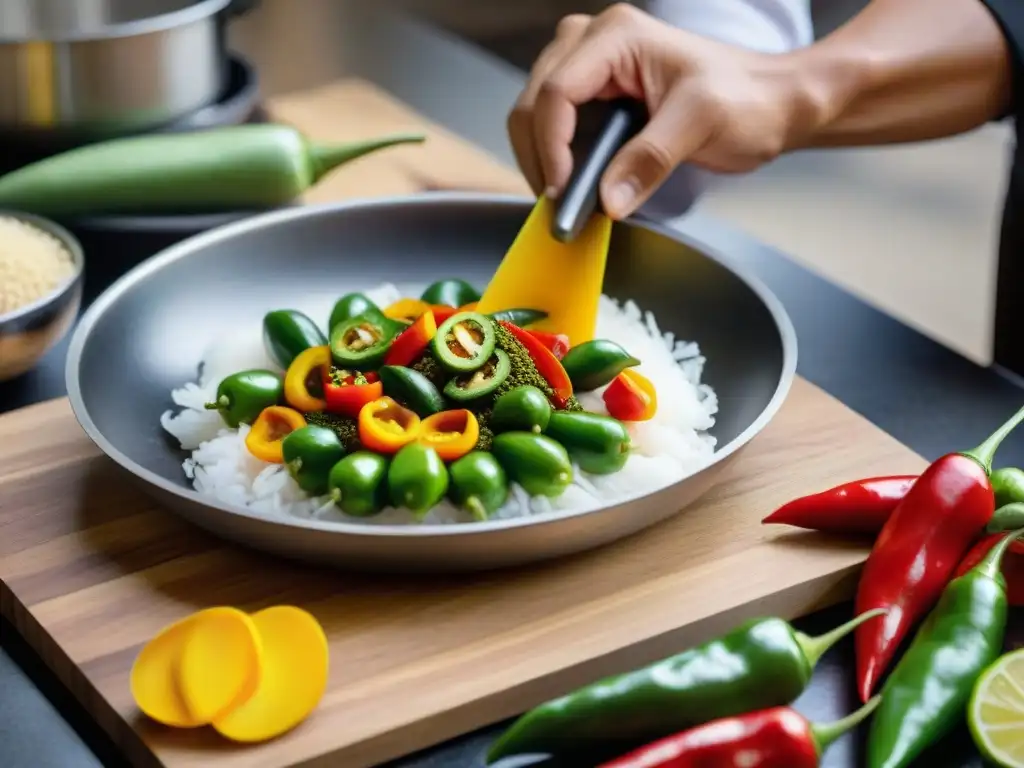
(581, 199)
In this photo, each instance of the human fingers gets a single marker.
(520, 120)
(678, 128)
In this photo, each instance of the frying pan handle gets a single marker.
(581, 199)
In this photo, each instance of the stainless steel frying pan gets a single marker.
(146, 334)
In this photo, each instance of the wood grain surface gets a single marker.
(90, 568)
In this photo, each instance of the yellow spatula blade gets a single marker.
(563, 279)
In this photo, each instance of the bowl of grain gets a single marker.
(41, 266)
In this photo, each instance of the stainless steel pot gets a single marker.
(109, 66)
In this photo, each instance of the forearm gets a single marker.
(906, 70)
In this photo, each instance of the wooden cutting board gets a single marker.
(90, 568)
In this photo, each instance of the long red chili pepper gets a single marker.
(919, 548)
(861, 506)
(1013, 564)
(769, 738)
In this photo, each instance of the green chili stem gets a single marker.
(476, 509)
(992, 563)
(221, 402)
(985, 452)
(327, 157)
(816, 647)
(824, 735)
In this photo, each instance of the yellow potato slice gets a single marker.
(153, 680)
(220, 663)
(293, 679)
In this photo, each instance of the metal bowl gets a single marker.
(145, 335)
(29, 332)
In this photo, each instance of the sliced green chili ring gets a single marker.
(361, 342)
(519, 317)
(481, 382)
(353, 305)
(464, 342)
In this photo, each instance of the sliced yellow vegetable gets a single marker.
(153, 681)
(563, 279)
(220, 664)
(293, 679)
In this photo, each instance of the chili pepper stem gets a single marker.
(221, 402)
(476, 509)
(985, 452)
(992, 563)
(816, 647)
(825, 734)
(327, 157)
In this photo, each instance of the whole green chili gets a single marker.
(1007, 485)
(927, 692)
(762, 663)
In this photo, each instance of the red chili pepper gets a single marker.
(862, 506)
(1013, 564)
(558, 343)
(411, 342)
(346, 393)
(442, 312)
(547, 364)
(919, 548)
(779, 737)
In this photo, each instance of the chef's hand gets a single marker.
(724, 108)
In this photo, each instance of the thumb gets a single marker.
(674, 132)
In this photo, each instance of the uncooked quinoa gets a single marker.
(33, 263)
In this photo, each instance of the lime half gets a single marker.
(996, 712)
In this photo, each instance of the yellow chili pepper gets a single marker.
(307, 369)
(272, 426)
(385, 426)
(452, 434)
(406, 309)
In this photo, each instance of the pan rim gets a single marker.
(187, 247)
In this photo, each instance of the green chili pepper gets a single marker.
(417, 478)
(354, 305)
(231, 168)
(598, 444)
(519, 317)
(358, 483)
(524, 409)
(412, 389)
(1008, 485)
(536, 462)
(478, 484)
(242, 396)
(287, 333)
(762, 663)
(594, 363)
(310, 453)
(1008, 517)
(464, 342)
(361, 342)
(450, 293)
(926, 694)
(481, 382)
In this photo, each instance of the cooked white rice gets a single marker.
(670, 446)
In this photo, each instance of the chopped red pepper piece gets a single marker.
(1013, 564)
(558, 343)
(631, 397)
(411, 342)
(442, 312)
(547, 364)
(347, 392)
